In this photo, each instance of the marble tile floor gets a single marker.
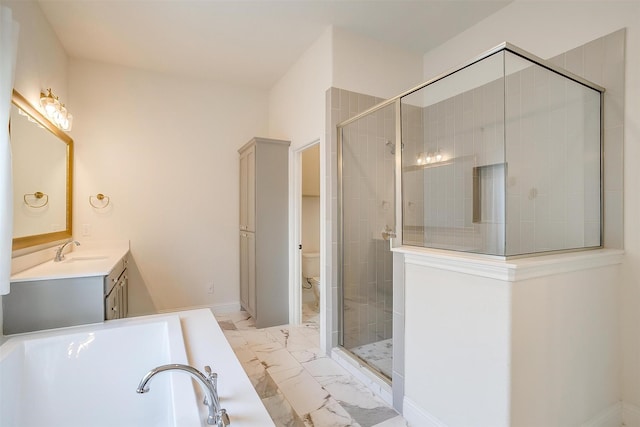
(378, 354)
(300, 386)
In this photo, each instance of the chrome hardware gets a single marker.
(217, 416)
(388, 233)
(59, 256)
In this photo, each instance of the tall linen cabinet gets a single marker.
(264, 223)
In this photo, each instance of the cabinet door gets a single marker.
(125, 295)
(244, 270)
(248, 272)
(248, 189)
(112, 305)
(251, 273)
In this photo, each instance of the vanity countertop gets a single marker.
(85, 260)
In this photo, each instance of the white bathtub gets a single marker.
(87, 376)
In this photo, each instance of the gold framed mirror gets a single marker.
(42, 158)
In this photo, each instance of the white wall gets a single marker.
(41, 61)
(565, 364)
(457, 348)
(310, 223)
(164, 149)
(527, 342)
(297, 101)
(547, 29)
(368, 66)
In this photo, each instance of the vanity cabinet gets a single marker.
(264, 222)
(116, 286)
(49, 303)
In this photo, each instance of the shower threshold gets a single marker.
(377, 355)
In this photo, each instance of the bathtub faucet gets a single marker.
(217, 416)
(59, 256)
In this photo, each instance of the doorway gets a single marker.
(305, 292)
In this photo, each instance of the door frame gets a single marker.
(295, 254)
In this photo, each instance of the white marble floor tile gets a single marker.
(397, 421)
(281, 412)
(293, 338)
(248, 323)
(369, 417)
(311, 330)
(303, 392)
(275, 359)
(349, 390)
(325, 370)
(307, 355)
(254, 369)
(331, 414)
(256, 337)
(299, 385)
(235, 338)
(244, 353)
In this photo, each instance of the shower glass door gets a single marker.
(367, 200)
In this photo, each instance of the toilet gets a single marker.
(311, 272)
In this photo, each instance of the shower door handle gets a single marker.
(388, 233)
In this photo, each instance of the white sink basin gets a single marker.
(85, 258)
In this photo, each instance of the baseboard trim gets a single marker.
(215, 308)
(417, 416)
(609, 417)
(630, 415)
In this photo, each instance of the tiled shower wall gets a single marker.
(553, 181)
(602, 61)
(553, 157)
(368, 209)
(467, 131)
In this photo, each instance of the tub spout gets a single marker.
(217, 416)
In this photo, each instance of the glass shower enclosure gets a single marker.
(501, 156)
(367, 151)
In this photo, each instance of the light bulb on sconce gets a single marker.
(49, 103)
(429, 158)
(55, 111)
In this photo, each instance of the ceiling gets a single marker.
(251, 43)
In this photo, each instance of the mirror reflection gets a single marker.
(41, 155)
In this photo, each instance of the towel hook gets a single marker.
(37, 195)
(104, 200)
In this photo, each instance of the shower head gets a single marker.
(392, 147)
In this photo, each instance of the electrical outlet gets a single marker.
(210, 288)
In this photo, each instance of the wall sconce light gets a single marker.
(429, 157)
(56, 111)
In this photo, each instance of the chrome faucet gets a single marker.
(217, 416)
(59, 256)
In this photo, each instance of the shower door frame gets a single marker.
(396, 240)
